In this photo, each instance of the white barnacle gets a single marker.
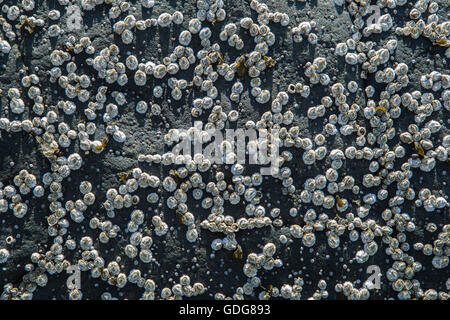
(177, 17)
(309, 239)
(140, 78)
(351, 58)
(192, 234)
(185, 38)
(4, 255)
(195, 26)
(341, 49)
(164, 19)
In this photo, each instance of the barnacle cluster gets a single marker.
(357, 133)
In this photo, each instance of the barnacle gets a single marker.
(342, 171)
